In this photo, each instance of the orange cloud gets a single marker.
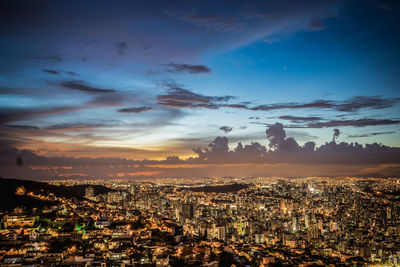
(38, 167)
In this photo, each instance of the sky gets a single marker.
(123, 89)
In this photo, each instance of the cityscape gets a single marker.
(220, 133)
(258, 221)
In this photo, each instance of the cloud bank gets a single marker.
(283, 156)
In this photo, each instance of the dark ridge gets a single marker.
(10, 200)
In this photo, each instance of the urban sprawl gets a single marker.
(208, 222)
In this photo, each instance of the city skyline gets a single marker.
(199, 89)
(262, 221)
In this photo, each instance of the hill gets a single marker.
(9, 200)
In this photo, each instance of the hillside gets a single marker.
(9, 200)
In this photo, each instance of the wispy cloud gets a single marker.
(226, 129)
(57, 72)
(299, 119)
(134, 109)
(83, 87)
(368, 134)
(354, 123)
(54, 72)
(23, 127)
(121, 48)
(187, 68)
(178, 97)
(350, 105)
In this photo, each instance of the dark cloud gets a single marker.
(134, 109)
(8, 115)
(51, 71)
(56, 72)
(350, 105)
(276, 135)
(179, 97)
(286, 150)
(323, 160)
(217, 148)
(190, 142)
(225, 98)
(182, 98)
(83, 87)
(9, 153)
(23, 127)
(121, 48)
(315, 104)
(369, 134)
(187, 68)
(239, 106)
(372, 102)
(354, 123)
(226, 129)
(277, 139)
(299, 119)
(72, 73)
(336, 133)
(108, 100)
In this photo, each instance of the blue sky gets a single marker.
(67, 71)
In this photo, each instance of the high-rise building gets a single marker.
(89, 192)
(388, 213)
(221, 232)
(294, 223)
(307, 220)
(18, 220)
(133, 195)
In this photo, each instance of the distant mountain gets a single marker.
(9, 200)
